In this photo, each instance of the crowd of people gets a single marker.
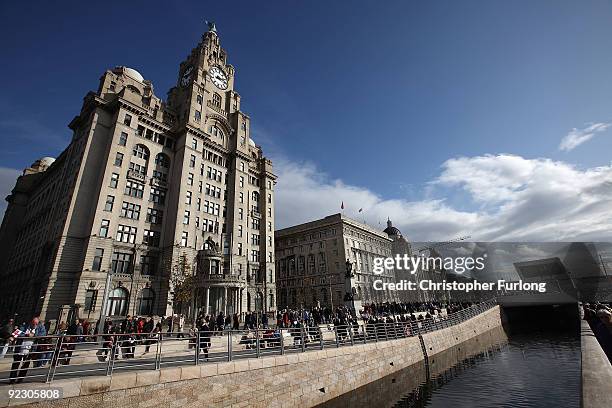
(599, 317)
(119, 338)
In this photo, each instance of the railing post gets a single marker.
(160, 341)
(320, 337)
(350, 332)
(229, 346)
(282, 342)
(54, 359)
(375, 332)
(257, 342)
(303, 338)
(197, 348)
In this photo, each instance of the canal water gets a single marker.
(524, 365)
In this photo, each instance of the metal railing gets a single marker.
(54, 357)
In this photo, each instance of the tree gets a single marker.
(182, 281)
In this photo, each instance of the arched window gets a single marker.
(117, 302)
(324, 295)
(141, 151)
(216, 100)
(162, 160)
(217, 131)
(145, 301)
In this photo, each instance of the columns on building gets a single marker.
(207, 305)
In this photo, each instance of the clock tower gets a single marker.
(224, 220)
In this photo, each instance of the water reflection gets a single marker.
(539, 369)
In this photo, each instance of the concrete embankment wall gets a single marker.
(294, 380)
(596, 371)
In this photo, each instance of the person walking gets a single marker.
(23, 355)
(204, 345)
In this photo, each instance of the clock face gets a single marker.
(186, 76)
(218, 77)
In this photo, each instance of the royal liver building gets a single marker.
(146, 190)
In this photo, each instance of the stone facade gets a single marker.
(311, 263)
(146, 189)
(293, 380)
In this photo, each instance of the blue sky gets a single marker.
(368, 101)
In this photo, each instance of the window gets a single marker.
(199, 99)
(255, 223)
(184, 238)
(138, 168)
(240, 214)
(216, 131)
(97, 261)
(188, 198)
(269, 198)
(160, 176)
(157, 196)
(151, 238)
(134, 189)
(121, 262)
(192, 161)
(254, 255)
(186, 217)
(255, 197)
(162, 160)
(130, 210)
(114, 180)
(110, 200)
(91, 296)
(216, 100)
(148, 265)
(154, 216)
(118, 159)
(190, 179)
(123, 139)
(241, 198)
(270, 226)
(117, 302)
(241, 166)
(240, 231)
(126, 234)
(145, 302)
(104, 228)
(198, 116)
(241, 181)
(127, 120)
(141, 152)
(254, 239)
(240, 248)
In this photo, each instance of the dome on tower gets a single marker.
(134, 74)
(131, 72)
(391, 230)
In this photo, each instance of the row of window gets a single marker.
(121, 262)
(127, 234)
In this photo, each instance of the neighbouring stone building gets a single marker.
(312, 264)
(146, 189)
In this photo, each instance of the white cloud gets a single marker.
(8, 177)
(576, 137)
(518, 199)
